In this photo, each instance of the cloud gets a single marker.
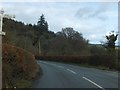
(87, 18)
(83, 12)
(59, 0)
(93, 11)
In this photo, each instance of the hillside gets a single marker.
(65, 42)
(18, 34)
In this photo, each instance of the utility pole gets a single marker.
(2, 15)
(39, 47)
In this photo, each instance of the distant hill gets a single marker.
(21, 35)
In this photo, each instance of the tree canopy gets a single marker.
(42, 25)
(111, 38)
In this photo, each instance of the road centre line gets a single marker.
(60, 66)
(76, 73)
(71, 71)
(44, 62)
(48, 63)
(93, 83)
(53, 64)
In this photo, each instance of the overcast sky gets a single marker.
(92, 19)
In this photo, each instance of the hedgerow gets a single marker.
(18, 65)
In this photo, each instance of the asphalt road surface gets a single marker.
(59, 75)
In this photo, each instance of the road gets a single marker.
(59, 75)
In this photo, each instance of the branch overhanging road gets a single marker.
(59, 75)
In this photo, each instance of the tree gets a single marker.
(42, 24)
(70, 42)
(71, 33)
(111, 38)
(42, 27)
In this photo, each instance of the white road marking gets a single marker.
(47, 63)
(93, 83)
(61, 67)
(53, 64)
(43, 62)
(72, 71)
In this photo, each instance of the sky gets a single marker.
(93, 19)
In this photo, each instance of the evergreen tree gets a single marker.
(42, 24)
(42, 27)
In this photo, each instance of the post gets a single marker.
(39, 52)
(1, 22)
(2, 15)
(0, 61)
(1, 19)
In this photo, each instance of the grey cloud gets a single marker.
(88, 12)
(83, 12)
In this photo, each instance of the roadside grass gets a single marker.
(29, 83)
(23, 83)
(97, 67)
(89, 66)
(93, 66)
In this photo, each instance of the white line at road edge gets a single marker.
(93, 83)
(72, 71)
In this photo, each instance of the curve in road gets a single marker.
(59, 75)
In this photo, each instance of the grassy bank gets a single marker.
(19, 67)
